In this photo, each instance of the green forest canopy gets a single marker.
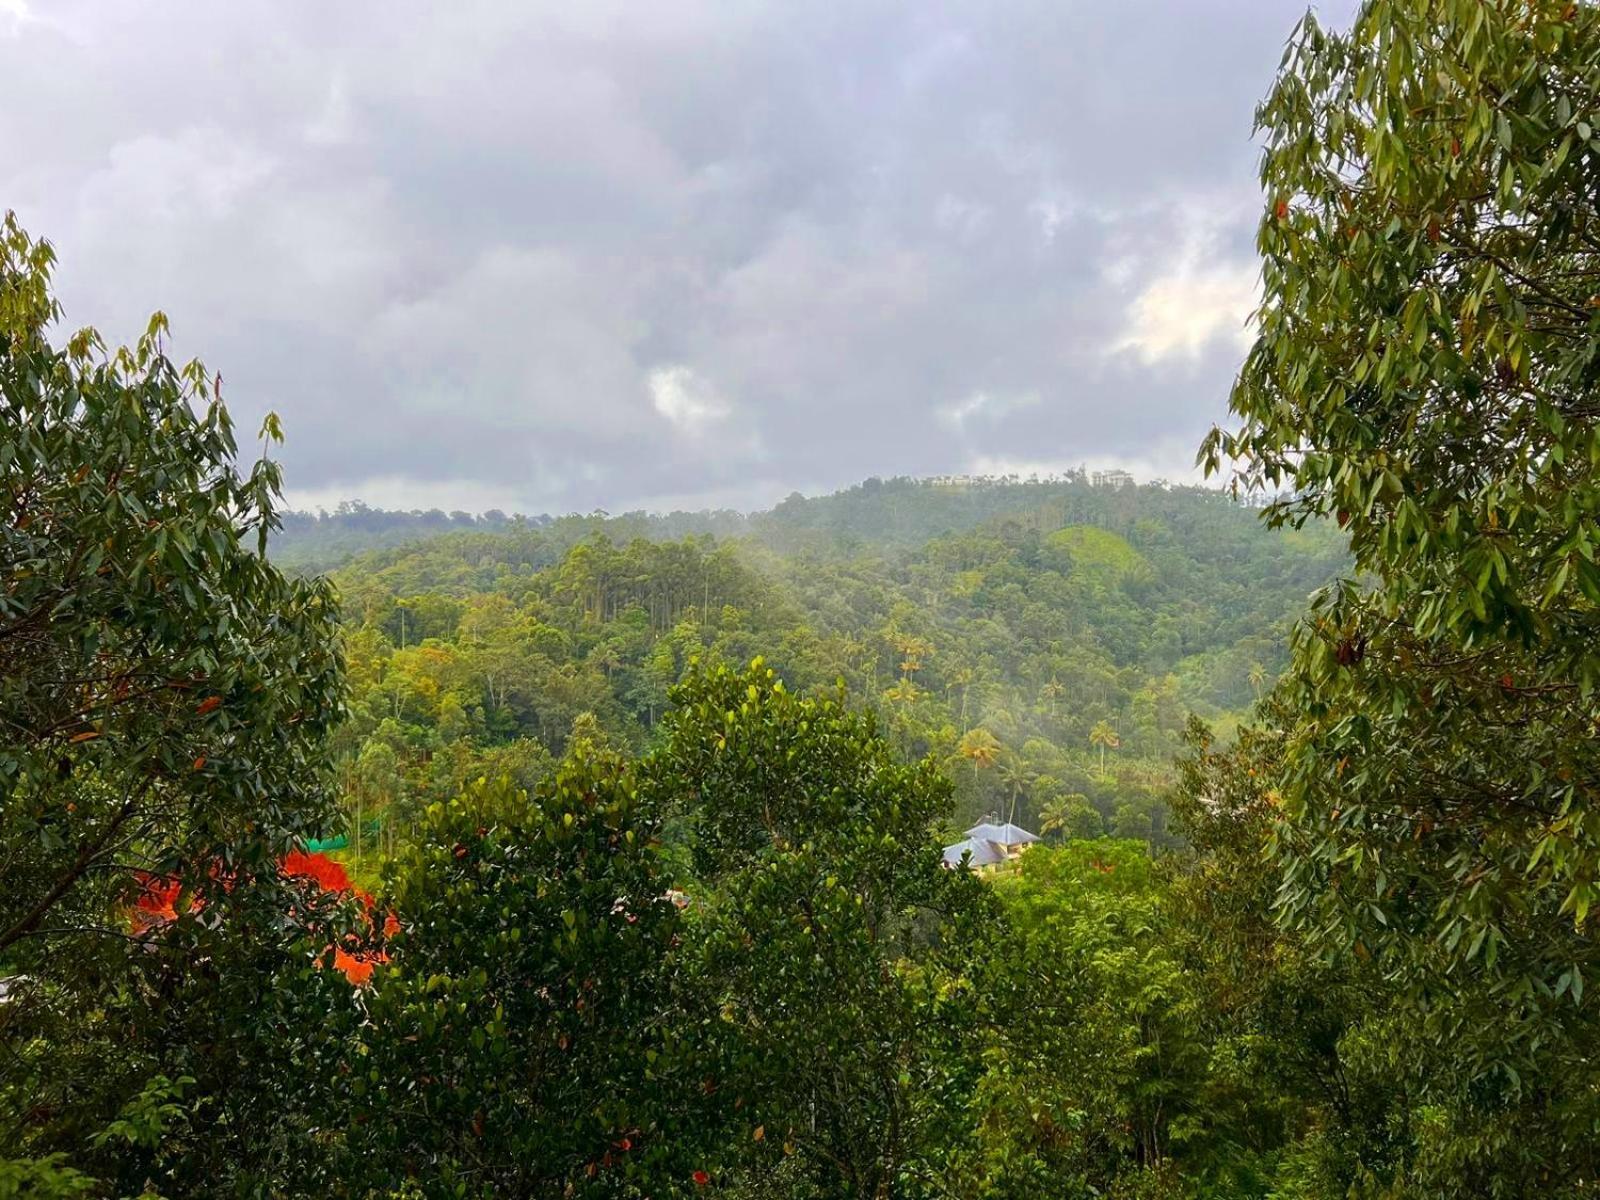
(1023, 610)
(655, 921)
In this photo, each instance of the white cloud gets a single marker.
(527, 341)
(963, 218)
(1179, 314)
(487, 241)
(1052, 213)
(14, 14)
(1189, 299)
(334, 124)
(685, 399)
(200, 174)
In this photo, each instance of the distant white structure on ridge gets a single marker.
(1112, 479)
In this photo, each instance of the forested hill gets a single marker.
(1046, 641)
(898, 512)
(616, 926)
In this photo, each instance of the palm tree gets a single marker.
(1056, 816)
(1014, 774)
(964, 679)
(1052, 692)
(904, 691)
(980, 748)
(1258, 678)
(606, 656)
(912, 650)
(903, 695)
(1104, 735)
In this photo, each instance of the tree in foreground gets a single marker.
(164, 693)
(738, 964)
(521, 1039)
(1427, 374)
(1092, 1073)
(830, 951)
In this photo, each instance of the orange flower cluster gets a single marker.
(156, 904)
(329, 875)
(157, 901)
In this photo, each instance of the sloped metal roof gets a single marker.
(983, 853)
(1006, 835)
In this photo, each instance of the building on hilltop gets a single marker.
(988, 844)
(1112, 479)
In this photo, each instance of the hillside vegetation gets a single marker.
(1045, 646)
(646, 815)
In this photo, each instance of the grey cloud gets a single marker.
(463, 249)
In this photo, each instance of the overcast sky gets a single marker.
(663, 253)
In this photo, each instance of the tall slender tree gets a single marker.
(1104, 735)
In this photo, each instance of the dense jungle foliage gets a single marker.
(1044, 649)
(649, 898)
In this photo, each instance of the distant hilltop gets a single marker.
(901, 511)
(1111, 479)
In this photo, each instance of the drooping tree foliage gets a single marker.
(1426, 374)
(831, 949)
(738, 963)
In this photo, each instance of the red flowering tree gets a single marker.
(160, 898)
(165, 692)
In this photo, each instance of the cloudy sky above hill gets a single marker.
(553, 257)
